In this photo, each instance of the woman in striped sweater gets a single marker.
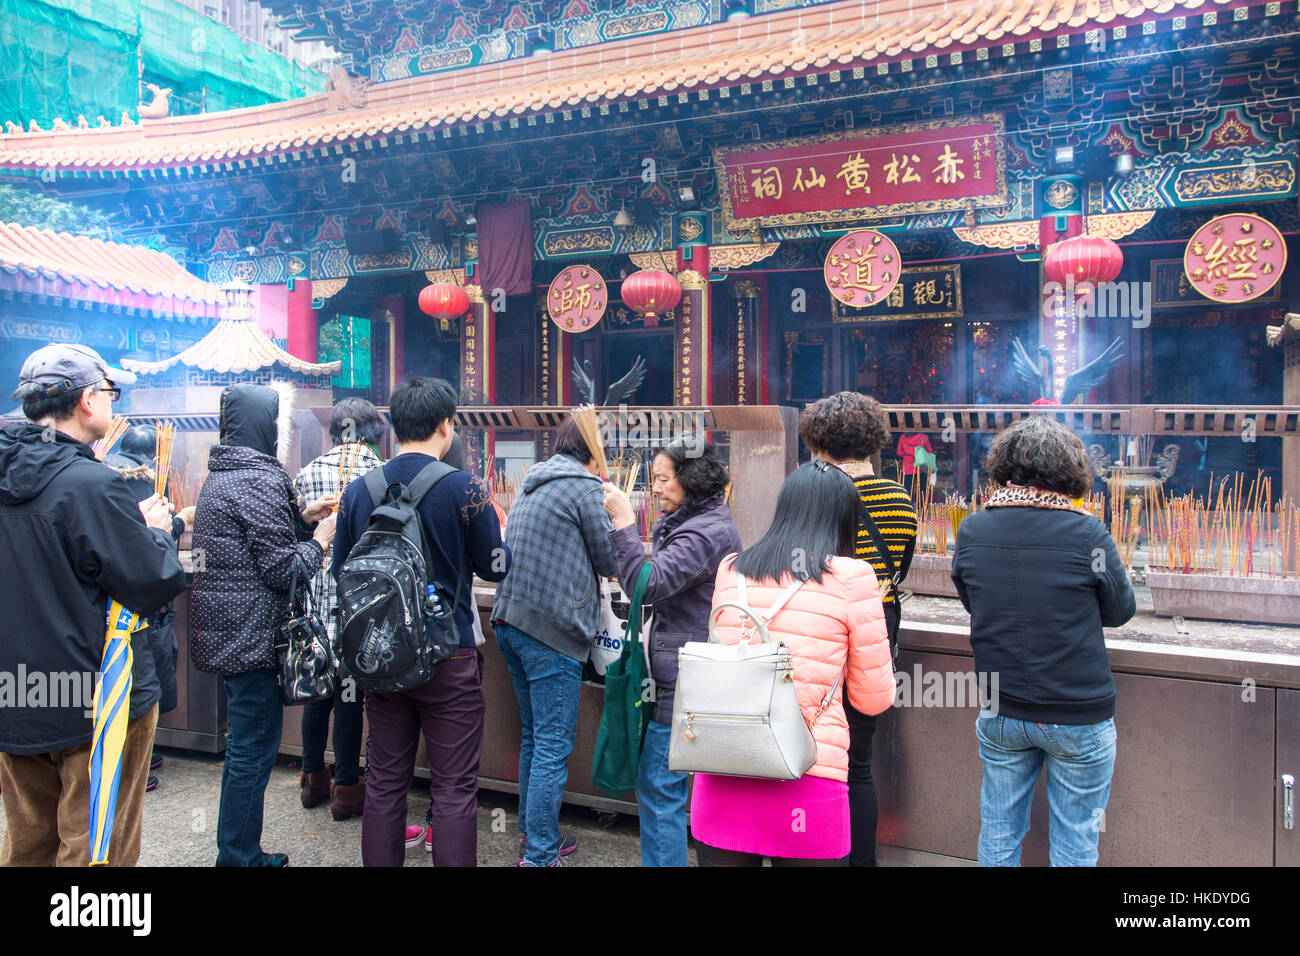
(847, 429)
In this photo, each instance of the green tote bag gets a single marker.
(622, 726)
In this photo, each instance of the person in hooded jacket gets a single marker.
(72, 536)
(545, 617)
(690, 541)
(134, 461)
(249, 537)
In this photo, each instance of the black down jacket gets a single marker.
(248, 534)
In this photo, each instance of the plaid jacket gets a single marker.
(321, 477)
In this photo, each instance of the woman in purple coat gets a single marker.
(695, 533)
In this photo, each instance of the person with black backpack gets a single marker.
(847, 429)
(410, 539)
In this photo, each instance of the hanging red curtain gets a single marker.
(505, 247)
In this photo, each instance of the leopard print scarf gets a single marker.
(1022, 496)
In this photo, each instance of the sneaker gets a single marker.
(568, 843)
(414, 835)
(151, 785)
(155, 762)
(428, 839)
(272, 859)
(558, 861)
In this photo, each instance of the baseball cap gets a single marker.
(60, 368)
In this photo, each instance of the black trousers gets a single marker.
(863, 811)
(347, 733)
(711, 856)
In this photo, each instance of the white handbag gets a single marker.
(736, 711)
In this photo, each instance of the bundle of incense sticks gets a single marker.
(589, 427)
(116, 429)
(163, 446)
(349, 458)
(957, 509)
(1237, 531)
(178, 488)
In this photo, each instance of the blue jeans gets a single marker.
(256, 717)
(661, 798)
(547, 685)
(1080, 759)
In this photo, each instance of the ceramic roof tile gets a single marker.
(99, 264)
(837, 34)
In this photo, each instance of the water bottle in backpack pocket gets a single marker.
(396, 625)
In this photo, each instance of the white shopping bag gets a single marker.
(607, 643)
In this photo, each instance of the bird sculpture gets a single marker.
(12, 127)
(1077, 383)
(60, 123)
(584, 383)
(81, 122)
(34, 127)
(101, 122)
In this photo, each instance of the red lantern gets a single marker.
(652, 292)
(444, 302)
(1089, 259)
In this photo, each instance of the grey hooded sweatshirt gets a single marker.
(558, 535)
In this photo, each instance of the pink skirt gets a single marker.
(804, 819)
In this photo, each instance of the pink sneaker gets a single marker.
(415, 834)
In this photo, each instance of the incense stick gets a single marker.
(589, 428)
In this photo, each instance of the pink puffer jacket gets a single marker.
(837, 626)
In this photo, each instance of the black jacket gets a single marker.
(71, 535)
(1040, 584)
(139, 476)
(248, 532)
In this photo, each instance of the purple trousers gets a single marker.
(449, 710)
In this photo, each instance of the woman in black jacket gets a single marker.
(1041, 578)
(248, 537)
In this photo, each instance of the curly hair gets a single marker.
(698, 469)
(847, 426)
(1041, 452)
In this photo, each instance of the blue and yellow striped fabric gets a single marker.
(112, 710)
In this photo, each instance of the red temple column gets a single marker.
(691, 336)
(303, 330)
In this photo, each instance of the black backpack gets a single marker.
(392, 632)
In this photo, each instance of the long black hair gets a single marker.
(816, 518)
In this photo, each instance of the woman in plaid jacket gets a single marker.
(356, 426)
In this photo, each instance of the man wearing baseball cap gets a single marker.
(71, 536)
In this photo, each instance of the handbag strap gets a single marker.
(866, 521)
(775, 609)
(826, 701)
(635, 600)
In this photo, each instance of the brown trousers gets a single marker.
(47, 802)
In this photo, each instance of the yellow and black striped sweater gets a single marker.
(892, 511)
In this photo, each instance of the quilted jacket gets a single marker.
(832, 628)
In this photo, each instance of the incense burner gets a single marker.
(1224, 597)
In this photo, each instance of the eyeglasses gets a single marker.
(112, 392)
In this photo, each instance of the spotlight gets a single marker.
(622, 222)
(471, 220)
(1063, 158)
(1123, 164)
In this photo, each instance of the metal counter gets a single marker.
(1205, 736)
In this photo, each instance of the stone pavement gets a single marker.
(180, 823)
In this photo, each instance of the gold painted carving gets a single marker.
(325, 288)
(1217, 182)
(474, 293)
(692, 280)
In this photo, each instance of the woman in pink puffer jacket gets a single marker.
(833, 625)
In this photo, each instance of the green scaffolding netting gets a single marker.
(61, 58)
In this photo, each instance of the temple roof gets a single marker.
(58, 263)
(235, 346)
(830, 37)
